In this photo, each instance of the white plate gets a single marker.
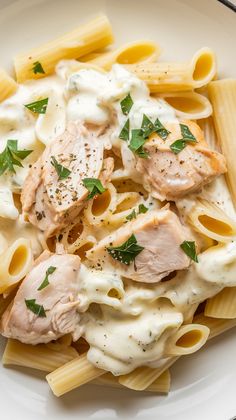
(203, 385)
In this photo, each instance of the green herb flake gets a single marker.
(62, 172)
(126, 104)
(35, 308)
(124, 134)
(127, 252)
(147, 127)
(136, 143)
(190, 250)
(178, 146)
(142, 209)
(132, 215)
(45, 282)
(38, 107)
(161, 130)
(8, 157)
(186, 133)
(94, 186)
(38, 68)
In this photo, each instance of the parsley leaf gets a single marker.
(7, 157)
(124, 134)
(127, 252)
(190, 249)
(136, 143)
(35, 308)
(126, 104)
(94, 186)
(186, 133)
(142, 208)
(161, 130)
(132, 215)
(38, 68)
(62, 172)
(147, 127)
(38, 107)
(178, 146)
(45, 282)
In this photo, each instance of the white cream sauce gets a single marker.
(127, 324)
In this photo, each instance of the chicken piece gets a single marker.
(51, 203)
(160, 233)
(58, 298)
(170, 176)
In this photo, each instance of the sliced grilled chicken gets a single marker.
(160, 233)
(170, 176)
(58, 300)
(49, 202)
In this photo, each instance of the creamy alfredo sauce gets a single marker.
(127, 324)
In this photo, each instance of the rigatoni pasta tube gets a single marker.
(188, 339)
(40, 357)
(172, 77)
(222, 94)
(8, 85)
(133, 52)
(160, 385)
(73, 374)
(188, 105)
(223, 305)
(91, 36)
(15, 263)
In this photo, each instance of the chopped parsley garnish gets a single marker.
(186, 133)
(124, 134)
(62, 172)
(94, 186)
(178, 146)
(38, 107)
(147, 127)
(126, 104)
(38, 68)
(190, 250)
(161, 130)
(132, 215)
(35, 308)
(136, 143)
(45, 282)
(127, 252)
(142, 208)
(8, 157)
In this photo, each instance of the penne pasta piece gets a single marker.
(8, 85)
(160, 385)
(142, 377)
(223, 305)
(172, 77)
(15, 263)
(216, 326)
(40, 357)
(209, 220)
(73, 374)
(222, 94)
(133, 52)
(188, 339)
(189, 105)
(91, 36)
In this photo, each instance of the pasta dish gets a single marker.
(117, 217)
